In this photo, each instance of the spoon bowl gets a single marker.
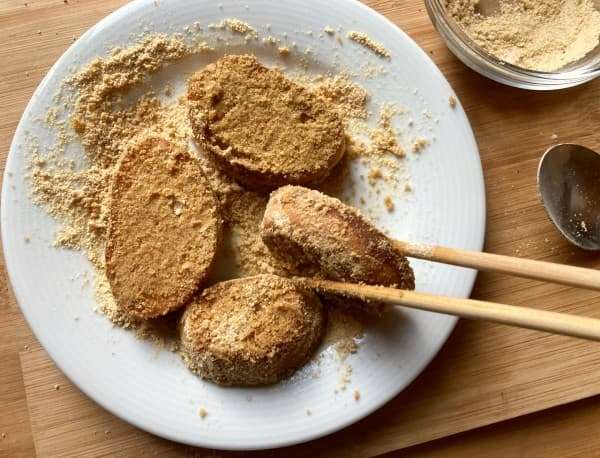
(569, 188)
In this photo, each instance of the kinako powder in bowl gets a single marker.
(539, 35)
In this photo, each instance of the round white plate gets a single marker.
(152, 389)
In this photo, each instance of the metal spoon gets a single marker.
(569, 187)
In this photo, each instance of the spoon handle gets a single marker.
(524, 317)
(536, 270)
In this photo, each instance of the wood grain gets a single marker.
(485, 374)
(567, 431)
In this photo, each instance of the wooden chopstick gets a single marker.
(536, 270)
(541, 320)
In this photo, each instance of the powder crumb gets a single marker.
(3, 435)
(308, 412)
(554, 137)
(356, 395)
(56, 387)
(374, 175)
(408, 187)
(349, 98)
(329, 30)
(26, 347)
(420, 144)
(364, 40)
(202, 413)
(389, 204)
(283, 51)
(239, 27)
(107, 432)
(345, 378)
(543, 35)
(344, 330)
(452, 101)
(27, 239)
(384, 137)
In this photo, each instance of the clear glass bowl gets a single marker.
(476, 58)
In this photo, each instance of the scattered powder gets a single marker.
(420, 144)
(344, 330)
(364, 40)
(237, 26)
(374, 175)
(389, 204)
(349, 98)
(384, 137)
(249, 254)
(543, 35)
(345, 378)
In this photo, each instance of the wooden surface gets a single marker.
(485, 374)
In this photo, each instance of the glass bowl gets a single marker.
(473, 56)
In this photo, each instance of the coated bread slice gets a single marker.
(251, 331)
(262, 128)
(306, 229)
(163, 230)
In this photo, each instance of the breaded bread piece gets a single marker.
(163, 229)
(261, 127)
(305, 228)
(251, 331)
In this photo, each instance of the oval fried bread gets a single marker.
(262, 128)
(251, 331)
(306, 228)
(163, 229)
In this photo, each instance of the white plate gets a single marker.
(154, 391)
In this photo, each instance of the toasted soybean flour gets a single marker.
(543, 35)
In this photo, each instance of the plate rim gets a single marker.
(204, 441)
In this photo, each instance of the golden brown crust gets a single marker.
(261, 127)
(163, 229)
(305, 227)
(251, 331)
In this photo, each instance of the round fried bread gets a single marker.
(251, 331)
(163, 229)
(306, 228)
(262, 128)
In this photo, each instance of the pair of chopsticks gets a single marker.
(542, 320)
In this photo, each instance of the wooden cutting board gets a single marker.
(486, 373)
